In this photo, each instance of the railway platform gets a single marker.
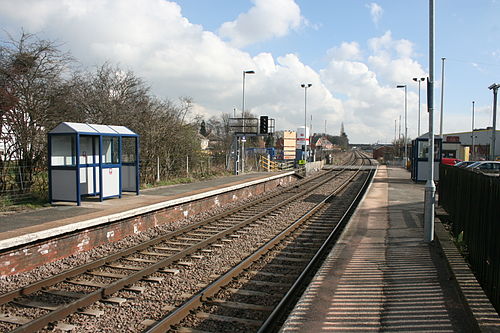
(28, 239)
(382, 276)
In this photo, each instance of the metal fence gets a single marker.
(21, 184)
(473, 202)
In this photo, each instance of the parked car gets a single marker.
(486, 167)
(450, 161)
(464, 164)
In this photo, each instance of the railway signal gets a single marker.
(264, 125)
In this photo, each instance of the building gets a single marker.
(384, 153)
(459, 145)
(323, 144)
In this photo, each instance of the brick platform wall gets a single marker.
(31, 256)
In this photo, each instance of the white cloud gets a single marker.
(375, 11)
(178, 58)
(265, 20)
(346, 51)
(393, 59)
(371, 99)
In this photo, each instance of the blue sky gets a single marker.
(354, 52)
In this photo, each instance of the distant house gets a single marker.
(324, 144)
(384, 152)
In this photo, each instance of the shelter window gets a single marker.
(63, 150)
(128, 149)
(110, 150)
(423, 149)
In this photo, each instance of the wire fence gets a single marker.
(21, 184)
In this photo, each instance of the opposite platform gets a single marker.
(22, 228)
(381, 276)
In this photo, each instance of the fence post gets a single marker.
(158, 169)
(187, 165)
(20, 177)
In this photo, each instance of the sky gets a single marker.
(353, 52)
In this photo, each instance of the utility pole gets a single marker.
(305, 86)
(472, 153)
(406, 125)
(430, 187)
(243, 139)
(494, 87)
(399, 136)
(399, 129)
(418, 80)
(395, 129)
(442, 94)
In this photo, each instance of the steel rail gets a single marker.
(311, 267)
(39, 285)
(180, 313)
(103, 292)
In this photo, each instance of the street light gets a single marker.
(494, 87)
(419, 80)
(243, 119)
(430, 187)
(305, 86)
(406, 123)
(442, 97)
(472, 154)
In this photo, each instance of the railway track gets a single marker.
(256, 295)
(41, 305)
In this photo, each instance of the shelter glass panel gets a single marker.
(63, 152)
(110, 150)
(128, 149)
(89, 151)
(423, 149)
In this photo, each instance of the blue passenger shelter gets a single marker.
(92, 160)
(420, 158)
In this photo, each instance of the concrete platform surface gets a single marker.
(382, 276)
(21, 228)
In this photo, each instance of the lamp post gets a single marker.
(395, 130)
(243, 119)
(442, 96)
(406, 124)
(430, 187)
(494, 87)
(472, 153)
(305, 86)
(419, 80)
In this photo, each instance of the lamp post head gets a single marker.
(401, 86)
(249, 72)
(303, 85)
(494, 86)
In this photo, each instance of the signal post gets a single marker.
(248, 127)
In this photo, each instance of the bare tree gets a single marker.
(38, 90)
(30, 73)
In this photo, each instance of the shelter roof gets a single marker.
(83, 128)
